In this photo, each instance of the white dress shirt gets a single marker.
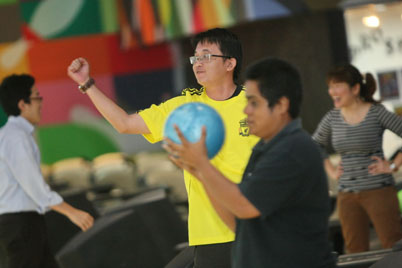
(22, 187)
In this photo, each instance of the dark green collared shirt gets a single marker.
(286, 182)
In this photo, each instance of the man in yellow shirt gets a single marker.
(216, 64)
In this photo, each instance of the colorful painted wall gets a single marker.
(134, 47)
(43, 37)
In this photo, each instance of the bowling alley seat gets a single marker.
(382, 258)
(147, 161)
(116, 169)
(156, 169)
(143, 231)
(391, 260)
(75, 172)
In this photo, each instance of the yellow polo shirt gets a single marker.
(204, 224)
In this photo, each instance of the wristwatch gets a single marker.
(393, 167)
(83, 88)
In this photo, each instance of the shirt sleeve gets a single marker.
(390, 120)
(155, 117)
(274, 184)
(322, 135)
(25, 169)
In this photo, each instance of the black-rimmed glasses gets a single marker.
(206, 58)
(38, 98)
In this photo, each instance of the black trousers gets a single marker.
(214, 255)
(23, 237)
(205, 256)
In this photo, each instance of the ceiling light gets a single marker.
(371, 21)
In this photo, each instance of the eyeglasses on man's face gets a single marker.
(205, 58)
(38, 98)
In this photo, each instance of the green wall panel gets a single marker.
(86, 20)
(72, 140)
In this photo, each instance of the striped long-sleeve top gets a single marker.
(357, 143)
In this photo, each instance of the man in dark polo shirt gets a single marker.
(280, 209)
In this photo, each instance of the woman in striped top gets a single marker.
(355, 129)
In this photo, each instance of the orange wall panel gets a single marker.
(156, 57)
(49, 59)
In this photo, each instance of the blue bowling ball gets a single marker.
(190, 118)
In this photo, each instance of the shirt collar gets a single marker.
(294, 125)
(22, 122)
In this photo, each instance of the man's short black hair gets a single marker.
(277, 78)
(227, 42)
(13, 89)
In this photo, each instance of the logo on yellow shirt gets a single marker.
(243, 129)
(192, 91)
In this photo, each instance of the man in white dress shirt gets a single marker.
(24, 195)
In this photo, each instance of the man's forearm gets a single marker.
(116, 116)
(226, 215)
(225, 192)
(79, 217)
(63, 208)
